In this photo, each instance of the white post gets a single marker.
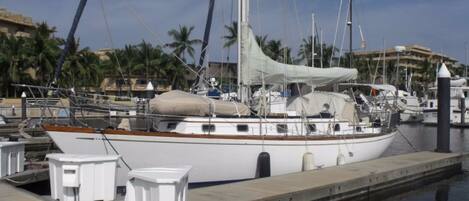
(312, 40)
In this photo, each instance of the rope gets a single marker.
(115, 150)
(407, 140)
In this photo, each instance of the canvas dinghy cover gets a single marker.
(182, 103)
(257, 68)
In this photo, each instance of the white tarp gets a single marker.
(257, 67)
(313, 103)
(458, 82)
(182, 103)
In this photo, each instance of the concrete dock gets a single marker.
(10, 193)
(369, 178)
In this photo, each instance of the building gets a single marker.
(13, 24)
(119, 86)
(103, 53)
(413, 57)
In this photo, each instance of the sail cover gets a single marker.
(256, 68)
(182, 103)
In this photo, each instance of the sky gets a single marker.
(438, 24)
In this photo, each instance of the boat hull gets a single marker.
(217, 159)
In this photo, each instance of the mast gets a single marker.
(350, 34)
(243, 13)
(321, 47)
(69, 41)
(203, 52)
(312, 40)
(384, 62)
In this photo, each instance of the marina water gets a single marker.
(423, 138)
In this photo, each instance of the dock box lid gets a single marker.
(161, 175)
(82, 158)
(7, 144)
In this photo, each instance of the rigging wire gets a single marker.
(343, 34)
(155, 37)
(111, 42)
(336, 30)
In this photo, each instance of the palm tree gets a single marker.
(182, 42)
(145, 57)
(13, 59)
(262, 42)
(44, 50)
(275, 50)
(305, 50)
(81, 67)
(232, 36)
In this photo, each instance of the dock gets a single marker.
(9, 193)
(351, 181)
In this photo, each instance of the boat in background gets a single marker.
(459, 92)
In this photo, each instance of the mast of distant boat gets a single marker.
(349, 23)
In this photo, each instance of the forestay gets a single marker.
(256, 68)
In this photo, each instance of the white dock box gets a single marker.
(88, 177)
(11, 158)
(158, 184)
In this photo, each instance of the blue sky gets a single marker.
(438, 24)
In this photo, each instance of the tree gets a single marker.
(81, 67)
(44, 51)
(262, 42)
(13, 61)
(232, 36)
(182, 42)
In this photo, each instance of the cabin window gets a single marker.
(337, 127)
(282, 128)
(311, 128)
(208, 128)
(242, 128)
(171, 125)
(358, 129)
(431, 104)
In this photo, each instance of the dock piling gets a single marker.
(463, 109)
(444, 79)
(23, 106)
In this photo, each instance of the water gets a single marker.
(423, 138)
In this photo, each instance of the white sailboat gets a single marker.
(459, 92)
(222, 140)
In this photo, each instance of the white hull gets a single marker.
(410, 116)
(431, 118)
(219, 159)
